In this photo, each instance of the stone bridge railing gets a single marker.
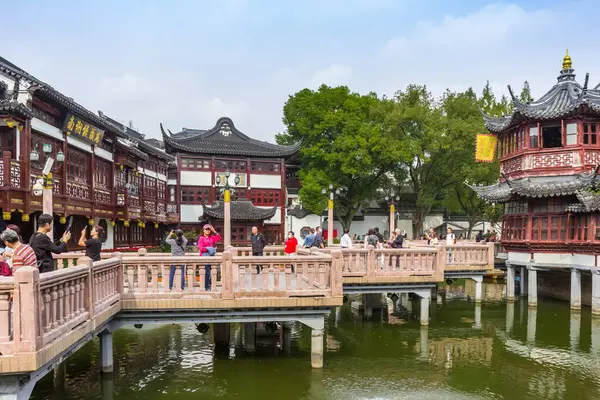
(42, 315)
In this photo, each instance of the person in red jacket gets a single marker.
(290, 244)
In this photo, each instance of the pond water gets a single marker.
(497, 351)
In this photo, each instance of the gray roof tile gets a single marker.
(241, 210)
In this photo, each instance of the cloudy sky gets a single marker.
(187, 63)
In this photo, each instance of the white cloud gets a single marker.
(334, 75)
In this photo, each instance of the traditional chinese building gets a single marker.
(103, 172)
(549, 151)
(209, 159)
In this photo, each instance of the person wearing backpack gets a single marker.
(310, 239)
(177, 241)
(44, 247)
(371, 239)
(319, 243)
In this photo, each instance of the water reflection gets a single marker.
(375, 348)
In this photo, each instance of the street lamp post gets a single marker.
(392, 201)
(44, 185)
(330, 213)
(226, 190)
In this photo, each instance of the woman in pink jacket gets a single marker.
(206, 245)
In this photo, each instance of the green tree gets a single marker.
(525, 95)
(343, 143)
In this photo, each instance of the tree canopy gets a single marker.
(412, 144)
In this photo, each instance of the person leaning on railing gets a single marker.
(177, 241)
(206, 245)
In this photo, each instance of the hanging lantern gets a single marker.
(121, 167)
(63, 220)
(25, 217)
(6, 215)
(112, 223)
(91, 221)
(60, 156)
(140, 224)
(156, 225)
(47, 148)
(126, 223)
(34, 155)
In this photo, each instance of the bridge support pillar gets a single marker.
(523, 281)
(106, 351)
(424, 305)
(316, 348)
(107, 387)
(286, 339)
(11, 388)
(532, 287)
(250, 337)
(60, 376)
(477, 316)
(575, 289)
(510, 283)
(478, 288)
(595, 345)
(221, 333)
(596, 293)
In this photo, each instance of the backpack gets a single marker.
(5, 269)
(372, 240)
(309, 240)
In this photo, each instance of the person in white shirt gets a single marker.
(450, 241)
(346, 240)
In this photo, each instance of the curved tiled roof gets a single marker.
(241, 210)
(299, 212)
(566, 98)
(224, 139)
(543, 186)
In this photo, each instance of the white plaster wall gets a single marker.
(258, 181)
(196, 178)
(564, 258)
(296, 224)
(276, 218)
(79, 144)
(191, 212)
(519, 257)
(161, 177)
(107, 155)
(47, 129)
(172, 182)
(431, 221)
(584, 259)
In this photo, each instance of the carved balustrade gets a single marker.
(468, 256)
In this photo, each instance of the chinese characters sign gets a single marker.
(82, 130)
(485, 148)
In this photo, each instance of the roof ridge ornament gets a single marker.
(567, 63)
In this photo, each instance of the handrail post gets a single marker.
(142, 252)
(90, 295)
(120, 273)
(26, 310)
(370, 260)
(491, 255)
(440, 262)
(227, 276)
(337, 262)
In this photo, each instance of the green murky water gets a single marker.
(500, 351)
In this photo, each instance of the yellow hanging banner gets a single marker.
(485, 147)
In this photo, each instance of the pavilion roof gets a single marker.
(539, 186)
(223, 139)
(241, 210)
(567, 98)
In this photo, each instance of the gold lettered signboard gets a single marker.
(485, 148)
(82, 130)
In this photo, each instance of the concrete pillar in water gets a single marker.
(221, 333)
(424, 305)
(575, 329)
(531, 324)
(60, 376)
(287, 338)
(11, 388)
(106, 351)
(316, 348)
(532, 287)
(478, 288)
(595, 345)
(510, 283)
(424, 342)
(523, 281)
(478, 316)
(434, 293)
(575, 289)
(510, 317)
(596, 293)
(250, 337)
